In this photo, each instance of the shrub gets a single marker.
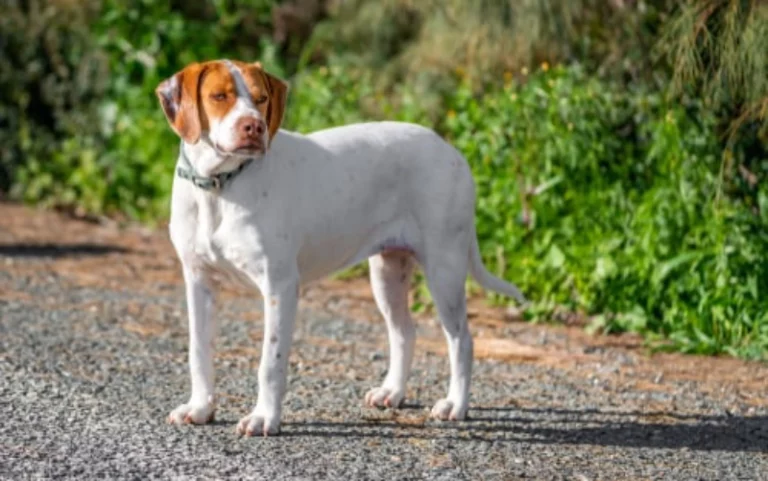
(613, 203)
(717, 50)
(337, 94)
(422, 43)
(49, 78)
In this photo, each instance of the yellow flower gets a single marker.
(513, 97)
(507, 76)
(451, 114)
(544, 66)
(524, 70)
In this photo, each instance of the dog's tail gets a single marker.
(488, 280)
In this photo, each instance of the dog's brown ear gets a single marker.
(179, 96)
(277, 89)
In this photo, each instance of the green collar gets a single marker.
(213, 182)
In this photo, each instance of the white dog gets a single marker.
(278, 209)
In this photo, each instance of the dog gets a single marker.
(277, 209)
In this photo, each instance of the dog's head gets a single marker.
(237, 107)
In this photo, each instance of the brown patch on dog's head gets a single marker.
(277, 95)
(180, 97)
(207, 91)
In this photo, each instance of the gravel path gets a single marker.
(93, 357)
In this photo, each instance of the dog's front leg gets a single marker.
(202, 328)
(280, 301)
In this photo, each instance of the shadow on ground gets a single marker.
(579, 427)
(59, 250)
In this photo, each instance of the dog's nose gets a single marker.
(251, 128)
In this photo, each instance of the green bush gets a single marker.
(613, 203)
(329, 96)
(422, 43)
(49, 78)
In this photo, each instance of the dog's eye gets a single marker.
(219, 96)
(261, 99)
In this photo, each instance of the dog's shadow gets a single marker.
(564, 426)
(51, 250)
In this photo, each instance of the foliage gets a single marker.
(423, 42)
(608, 201)
(338, 94)
(48, 80)
(719, 49)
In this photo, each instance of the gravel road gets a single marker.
(93, 357)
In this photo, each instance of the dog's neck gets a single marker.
(206, 161)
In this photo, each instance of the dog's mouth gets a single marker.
(251, 148)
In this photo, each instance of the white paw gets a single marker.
(445, 410)
(258, 423)
(192, 413)
(384, 397)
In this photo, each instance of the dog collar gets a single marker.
(213, 182)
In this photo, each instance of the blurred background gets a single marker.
(620, 147)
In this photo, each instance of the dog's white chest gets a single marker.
(217, 252)
(208, 251)
(206, 246)
(205, 237)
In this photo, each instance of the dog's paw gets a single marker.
(382, 397)
(192, 413)
(446, 410)
(258, 423)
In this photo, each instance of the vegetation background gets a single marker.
(620, 147)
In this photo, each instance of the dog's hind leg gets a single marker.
(390, 280)
(446, 272)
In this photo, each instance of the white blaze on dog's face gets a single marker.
(234, 106)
